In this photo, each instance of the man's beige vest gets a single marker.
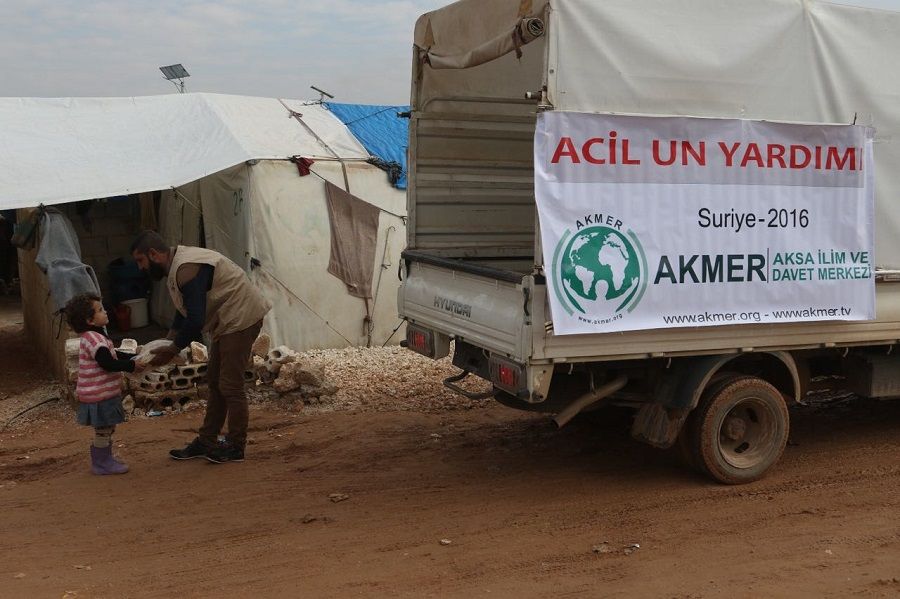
(232, 304)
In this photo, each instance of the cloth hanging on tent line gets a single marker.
(303, 164)
(354, 235)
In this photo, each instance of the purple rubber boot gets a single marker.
(102, 462)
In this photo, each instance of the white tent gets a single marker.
(229, 159)
(57, 150)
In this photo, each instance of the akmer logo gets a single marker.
(599, 271)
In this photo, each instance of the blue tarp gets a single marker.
(379, 130)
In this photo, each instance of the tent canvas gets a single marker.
(60, 150)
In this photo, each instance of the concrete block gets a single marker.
(283, 355)
(147, 386)
(72, 347)
(187, 370)
(154, 376)
(176, 399)
(273, 366)
(181, 382)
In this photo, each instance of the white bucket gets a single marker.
(138, 312)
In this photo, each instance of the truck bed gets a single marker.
(499, 304)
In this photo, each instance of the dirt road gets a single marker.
(529, 511)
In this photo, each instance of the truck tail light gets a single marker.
(420, 341)
(508, 376)
(428, 343)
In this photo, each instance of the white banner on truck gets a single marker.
(659, 222)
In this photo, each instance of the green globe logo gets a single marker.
(600, 271)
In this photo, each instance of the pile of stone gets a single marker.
(281, 369)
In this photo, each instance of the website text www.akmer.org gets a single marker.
(774, 315)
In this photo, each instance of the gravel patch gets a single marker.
(386, 379)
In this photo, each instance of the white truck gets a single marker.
(490, 79)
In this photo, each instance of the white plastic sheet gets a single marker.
(57, 150)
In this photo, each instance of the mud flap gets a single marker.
(658, 425)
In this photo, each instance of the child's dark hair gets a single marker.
(79, 309)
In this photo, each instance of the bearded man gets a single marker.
(212, 295)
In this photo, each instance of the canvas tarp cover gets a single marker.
(58, 150)
(784, 60)
(384, 134)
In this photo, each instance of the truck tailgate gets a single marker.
(487, 308)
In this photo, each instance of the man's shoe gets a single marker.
(225, 453)
(194, 449)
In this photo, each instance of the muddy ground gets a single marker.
(528, 511)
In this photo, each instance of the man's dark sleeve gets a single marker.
(108, 363)
(194, 294)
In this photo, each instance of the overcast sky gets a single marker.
(359, 50)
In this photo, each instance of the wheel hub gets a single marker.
(735, 428)
(745, 435)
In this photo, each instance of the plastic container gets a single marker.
(139, 316)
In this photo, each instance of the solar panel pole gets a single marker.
(173, 72)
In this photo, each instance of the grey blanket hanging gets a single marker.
(59, 257)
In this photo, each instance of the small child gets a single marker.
(99, 387)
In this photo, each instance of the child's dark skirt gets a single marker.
(108, 412)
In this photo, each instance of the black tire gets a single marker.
(738, 430)
(686, 448)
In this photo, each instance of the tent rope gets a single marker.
(400, 216)
(299, 118)
(362, 118)
(269, 273)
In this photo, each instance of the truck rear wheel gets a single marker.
(739, 430)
